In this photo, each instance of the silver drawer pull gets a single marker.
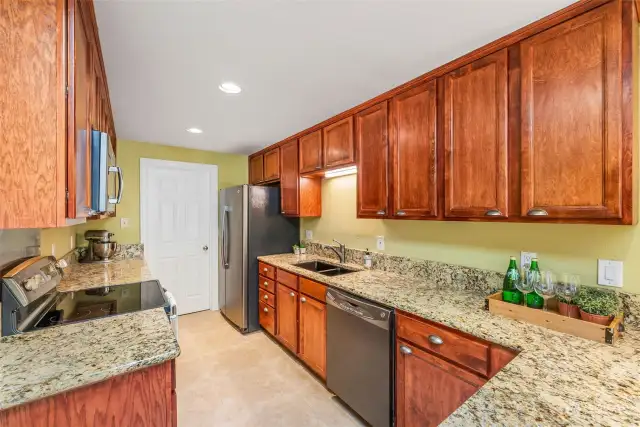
(303, 299)
(537, 212)
(265, 270)
(266, 297)
(493, 212)
(381, 212)
(292, 294)
(266, 284)
(401, 213)
(266, 310)
(405, 350)
(434, 339)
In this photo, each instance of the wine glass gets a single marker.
(569, 286)
(525, 284)
(545, 286)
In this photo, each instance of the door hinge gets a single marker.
(66, 91)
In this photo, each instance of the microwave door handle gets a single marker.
(118, 170)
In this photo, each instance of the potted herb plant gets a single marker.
(567, 307)
(303, 249)
(296, 249)
(598, 305)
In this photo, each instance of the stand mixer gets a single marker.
(100, 247)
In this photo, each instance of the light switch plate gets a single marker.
(380, 243)
(610, 273)
(308, 234)
(124, 222)
(526, 257)
(72, 241)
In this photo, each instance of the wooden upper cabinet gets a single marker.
(289, 178)
(338, 143)
(572, 151)
(429, 389)
(287, 317)
(313, 334)
(373, 155)
(311, 152)
(256, 169)
(475, 139)
(272, 164)
(412, 140)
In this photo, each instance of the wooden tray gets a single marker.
(553, 320)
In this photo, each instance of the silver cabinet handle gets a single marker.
(434, 339)
(283, 212)
(537, 212)
(493, 212)
(265, 270)
(405, 350)
(303, 299)
(318, 167)
(266, 310)
(381, 213)
(292, 294)
(401, 213)
(205, 248)
(266, 297)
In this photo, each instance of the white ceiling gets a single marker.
(298, 62)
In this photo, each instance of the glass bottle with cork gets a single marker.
(510, 292)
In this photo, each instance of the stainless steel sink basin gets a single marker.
(324, 268)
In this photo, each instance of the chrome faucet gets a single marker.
(341, 252)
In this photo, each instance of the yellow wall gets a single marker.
(562, 248)
(232, 170)
(60, 237)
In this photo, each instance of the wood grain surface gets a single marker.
(338, 149)
(311, 152)
(313, 334)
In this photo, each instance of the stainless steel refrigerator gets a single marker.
(251, 224)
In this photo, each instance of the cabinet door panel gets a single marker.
(413, 153)
(571, 118)
(256, 169)
(311, 152)
(313, 334)
(373, 155)
(428, 388)
(289, 180)
(272, 164)
(287, 317)
(475, 139)
(338, 143)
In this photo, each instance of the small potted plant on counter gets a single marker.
(303, 249)
(598, 305)
(296, 249)
(567, 307)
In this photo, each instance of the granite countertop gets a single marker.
(78, 276)
(43, 363)
(556, 380)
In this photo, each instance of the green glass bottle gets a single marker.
(510, 292)
(533, 299)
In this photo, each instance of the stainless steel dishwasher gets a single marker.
(360, 357)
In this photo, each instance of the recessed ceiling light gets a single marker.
(194, 130)
(230, 87)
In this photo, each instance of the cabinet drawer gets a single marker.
(266, 284)
(267, 297)
(445, 342)
(288, 279)
(267, 270)
(313, 289)
(267, 317)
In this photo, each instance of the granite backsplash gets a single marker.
(124, 251)
(456, 276)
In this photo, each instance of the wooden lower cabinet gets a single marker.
(428, 388)
(267, 317)
(143, 398)
(313, 334)
(287, 317)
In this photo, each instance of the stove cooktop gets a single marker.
(80, 306)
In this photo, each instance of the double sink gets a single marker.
(324, 268)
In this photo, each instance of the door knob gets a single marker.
(205, 248)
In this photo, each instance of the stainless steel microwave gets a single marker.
(107, 181)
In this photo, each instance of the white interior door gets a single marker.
(178, 219)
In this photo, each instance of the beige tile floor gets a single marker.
(225, 379)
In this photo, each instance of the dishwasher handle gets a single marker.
(376, 315)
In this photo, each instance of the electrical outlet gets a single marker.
(610, 273)
(53, 249)
(125, 291)
(380, 243)
(124, 222)
(308, 234)
(525, 259)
